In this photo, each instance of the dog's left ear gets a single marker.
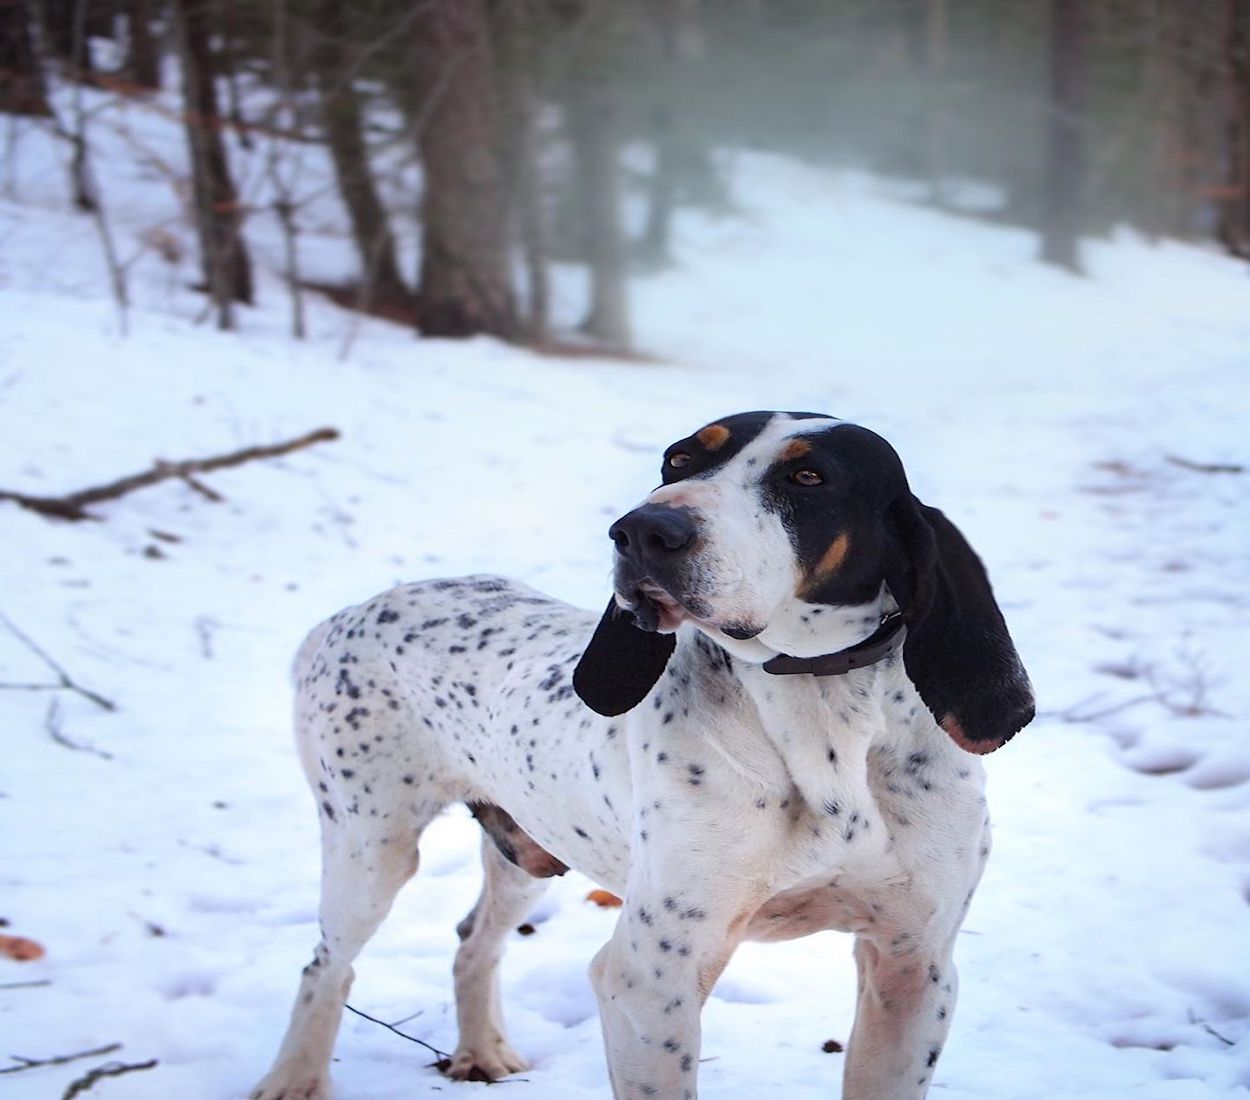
(621, 664)
(957, 651)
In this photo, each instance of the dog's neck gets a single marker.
(804, 630)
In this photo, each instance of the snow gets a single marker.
(174, 881)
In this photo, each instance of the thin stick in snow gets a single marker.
(72, 506)
(109, 1069)
(59, 1060)
(65, 682)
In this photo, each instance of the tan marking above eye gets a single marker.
(796, 448)
(678, 460)
(713, 437)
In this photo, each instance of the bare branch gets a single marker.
(66, 683)
(1205, 467)
(52, 723)
(72, 507)
(442, 1054)
(109, 1069)
(59, 1060)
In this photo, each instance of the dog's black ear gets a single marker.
(621, 664)
(957, 652)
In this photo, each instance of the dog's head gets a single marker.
(785, 533)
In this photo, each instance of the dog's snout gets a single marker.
(653, 531)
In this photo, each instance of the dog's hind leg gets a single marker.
(362, 870)
(508, 895)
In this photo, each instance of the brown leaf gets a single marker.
(20, 949)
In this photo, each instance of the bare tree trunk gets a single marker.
(219, 219)
(1233, 229)
(21, 79)
(1065, 144)
(662, 192)
(226, 19)
(341, 117)
(464, 287)
(683, 167)
(143, 59)
(515, 35)
(64, 22)
(592, 114)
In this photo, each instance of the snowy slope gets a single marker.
(173, 882)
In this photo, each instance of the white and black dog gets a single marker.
(770, 732)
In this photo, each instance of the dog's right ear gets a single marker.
(621, 664)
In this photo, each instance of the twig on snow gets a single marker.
(52, 723)
(73, 505)
(65, 682)
(109, 1069)
(59, 1060)
(442, 1054)
(1194, 1018)
(1205, 467)
(38, 984)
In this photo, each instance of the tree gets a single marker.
(592, 115)
(1065, 138)
(464, 287)
(381, 282)
(65, 22)
(515, 33)
(21, 79)
(1233, 229)
(218, 215)
(143, 59)
(683, 167)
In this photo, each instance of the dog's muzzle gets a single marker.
(653, 545)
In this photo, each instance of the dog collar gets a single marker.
(879, 644)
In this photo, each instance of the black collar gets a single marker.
(882, 642)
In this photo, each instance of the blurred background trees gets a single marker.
(569, 131)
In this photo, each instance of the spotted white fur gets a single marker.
(730, 804)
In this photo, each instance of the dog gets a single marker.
(774, 729)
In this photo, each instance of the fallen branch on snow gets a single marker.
(64, 683)
(1205, 467)
(442, 1054)
(59, 1060)
(52, 723)
(72, 506)
(109, 1069)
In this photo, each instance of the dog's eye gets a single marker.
(678, 460)
(806, 477)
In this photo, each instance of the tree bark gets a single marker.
(592, 112)
(1233, 229)
(381, 281)
(515, 35)
(143, 59)
(463, 287)
(21, 79)
(1065, 141)
(682, 169)
(219, 218)
(65, 23)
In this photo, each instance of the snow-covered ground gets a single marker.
(170, 867)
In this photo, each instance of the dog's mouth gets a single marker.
(653, 607)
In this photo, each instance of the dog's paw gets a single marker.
(292, 1084)
(484, 1062)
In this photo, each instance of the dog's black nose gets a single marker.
(653, 531)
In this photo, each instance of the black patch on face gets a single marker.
(742, 428)
(860, 476)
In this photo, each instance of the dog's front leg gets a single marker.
(907, 990)
(678, 927)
